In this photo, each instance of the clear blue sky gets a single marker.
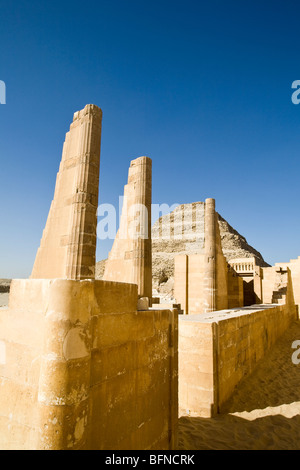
(201, 87)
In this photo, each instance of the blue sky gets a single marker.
(201, 87)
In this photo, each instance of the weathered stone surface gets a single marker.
(130, 258)
(80, 368)
(70, 375)
(68, 245)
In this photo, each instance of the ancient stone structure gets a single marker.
(203, 282)
(278, 285)
(210, 247)
(268, 284)
(68, 245)
(88, 364)
(219, 349)
(293, 268)
(248, 270)
(131, 258)
(182, 232)
(186, 227)
(80, 367)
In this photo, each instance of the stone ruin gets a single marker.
(80, 367)
(131, 254)
(90, 364)
(68, 245)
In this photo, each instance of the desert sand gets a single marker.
(263, 413)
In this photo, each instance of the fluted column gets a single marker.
(210, 257)
(82, 242)
(142, 254)
(130, 259)
(68, 245)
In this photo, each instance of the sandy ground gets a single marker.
(264, 412)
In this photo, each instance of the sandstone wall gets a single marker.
(235, 293)
(80, 368)
(219, 349)
(189, 284)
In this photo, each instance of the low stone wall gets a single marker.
(217, 350)
(80, 368)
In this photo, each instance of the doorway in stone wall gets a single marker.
(249, 295)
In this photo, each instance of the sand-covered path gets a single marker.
(264, 412)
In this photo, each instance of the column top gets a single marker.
(141, 161)
(88, 109)
(210, 202)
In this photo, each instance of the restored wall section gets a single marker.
(80, 368)
(217, 350)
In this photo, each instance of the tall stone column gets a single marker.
(68, 245)
(130, 259)
(210, 257)
(140, 173)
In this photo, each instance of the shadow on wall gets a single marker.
(249, 294)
